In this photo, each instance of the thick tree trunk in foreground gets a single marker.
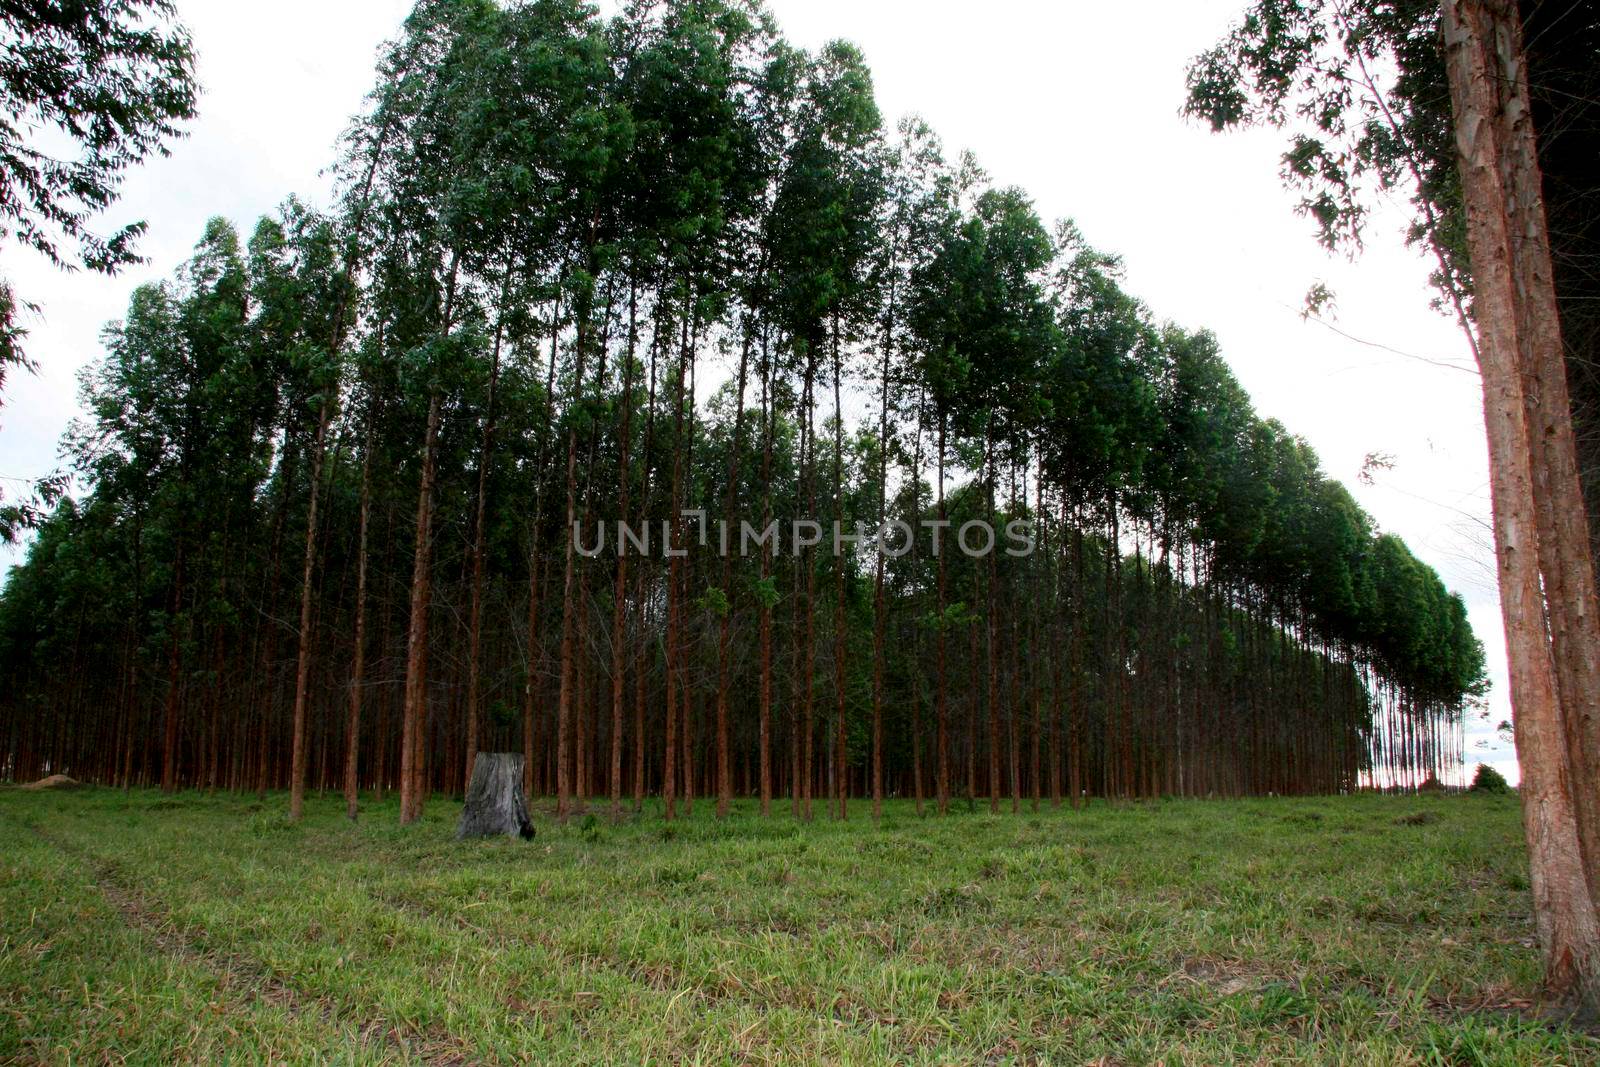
(1564, 546)
(495, 805)
(1564, 915)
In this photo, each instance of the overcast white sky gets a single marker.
(1078, 103)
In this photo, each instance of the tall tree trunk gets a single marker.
(642, 655)
(341, 322)
(564, 705)
(991, 668)
(302, 674)
(587, 703)
(269, 602)
(414, 710)
(620, 589)
(169, 742)
(879, 616)
(764, 730)
(725, 624)
(475, 606)
(1564, 545)
(840, 621)
(916, 655)
(352, 753)
(675, 553)
(1564, 915)
(808, 450)
(941, 711)
(530, 689)
(414, 716)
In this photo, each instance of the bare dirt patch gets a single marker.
(54, 781)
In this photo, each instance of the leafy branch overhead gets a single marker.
(110, 79)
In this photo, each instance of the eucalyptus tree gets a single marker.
(1006, 337)
(940, 371)
(913, 167)
(307, 304)
(776, 103)
(770, 106)
(169, 422)
(821, 237)
(545, 70)
(427, 200)
(88, 90)
(125, 446)
(688, 71)
(539, 147)
(840, 130)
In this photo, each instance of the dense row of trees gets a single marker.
(585, 271)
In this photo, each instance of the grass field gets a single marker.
(1354, 930)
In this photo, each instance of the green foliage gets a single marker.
(502, 714)
(955, 616)
(713, 601)
(766, 591)
(112, 79)
(1321, 71)
(1488, 780)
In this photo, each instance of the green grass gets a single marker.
(141, 928)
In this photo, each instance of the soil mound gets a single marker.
(54, 781)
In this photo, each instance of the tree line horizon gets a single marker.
(329, 467)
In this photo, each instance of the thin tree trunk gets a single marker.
(768, 417)
(840, 622)
(169, 743)
(674, 587)
(534, 645)
(414, 711)
(725, 624)
(475, 608)
(352, 752)
(879, 616)
(992, 677)
(564, 705)
(941, 708)
(302, 674)
(806, 741)
(620, 590)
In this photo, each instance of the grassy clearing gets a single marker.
(1348, 930)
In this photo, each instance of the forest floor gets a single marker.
(140, 928)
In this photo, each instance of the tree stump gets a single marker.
(495, 804)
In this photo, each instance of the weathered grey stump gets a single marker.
(495, 805)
